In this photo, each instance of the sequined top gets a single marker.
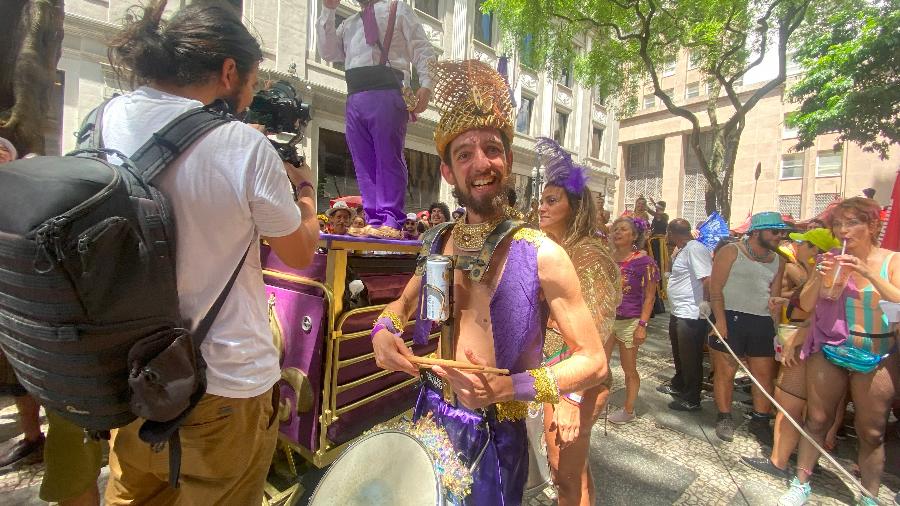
(599, 277)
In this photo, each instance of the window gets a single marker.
(599, 97)
(828, 163)
(669, 68)
(669, 92)
(822, 200)
(643, 171)
(565, 76)
(693, 195)
(789, 204)
(523, 116)
(338, 177)
(791, 166)
(649, 101)
(562, 125)
(694, 59)
(596, 141)
(484, 24)
(788, 132)
(429, 7)
(526, 52)
(692, 90)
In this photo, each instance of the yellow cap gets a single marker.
(819, 237)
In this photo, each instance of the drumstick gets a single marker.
(456, 365)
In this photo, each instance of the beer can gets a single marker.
(438, 280)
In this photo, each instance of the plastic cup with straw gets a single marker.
(833, 284)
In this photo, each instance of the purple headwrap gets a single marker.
(560, 169)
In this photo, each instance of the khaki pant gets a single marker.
(73, 462)
(226, 448)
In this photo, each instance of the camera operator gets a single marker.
(227, 190)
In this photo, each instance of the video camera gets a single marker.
(280, 110)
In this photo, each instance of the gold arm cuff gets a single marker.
(545, 386)
(398, 322)
(511, 411)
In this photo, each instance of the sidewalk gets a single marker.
(664, 457)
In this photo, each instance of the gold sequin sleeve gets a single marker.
(600, 280)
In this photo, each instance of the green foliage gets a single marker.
(850, 52)
(717, 30)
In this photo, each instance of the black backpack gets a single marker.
(89, 315)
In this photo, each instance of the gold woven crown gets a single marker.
(469, 94)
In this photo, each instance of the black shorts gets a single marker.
(749, 335)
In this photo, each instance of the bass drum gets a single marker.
(388, 468)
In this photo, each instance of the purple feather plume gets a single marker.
(559, 168)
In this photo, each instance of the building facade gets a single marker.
(656, 161)
(546, 106)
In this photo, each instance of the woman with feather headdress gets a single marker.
(568, 215)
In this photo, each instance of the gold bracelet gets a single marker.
(394, 318)
(545, 386)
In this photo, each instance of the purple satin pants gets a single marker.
(499, 479)
(376, 132)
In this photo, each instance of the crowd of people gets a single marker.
(343, 219)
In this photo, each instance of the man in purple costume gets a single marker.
(376, 111)
(500, 306)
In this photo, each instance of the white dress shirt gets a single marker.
(347, 43)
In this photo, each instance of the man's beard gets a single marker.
(485, 208)
(767, 244)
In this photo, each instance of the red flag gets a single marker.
(891, 238)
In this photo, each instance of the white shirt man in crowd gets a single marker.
(688, 283)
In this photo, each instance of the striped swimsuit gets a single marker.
(869, 326)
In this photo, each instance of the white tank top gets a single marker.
(748, 286)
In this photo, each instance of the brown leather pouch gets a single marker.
(164, 375)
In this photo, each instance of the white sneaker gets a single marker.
(621, 417)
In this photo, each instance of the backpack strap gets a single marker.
(158, 433)
(88, 135)
(167, 144)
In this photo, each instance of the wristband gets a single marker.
(304, 184)
(574, 397)
(642, 323)
(378, 328)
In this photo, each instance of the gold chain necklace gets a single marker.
(471, 237)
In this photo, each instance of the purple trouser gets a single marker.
(376, 130)
(502, 469)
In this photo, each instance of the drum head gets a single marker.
(384, 468)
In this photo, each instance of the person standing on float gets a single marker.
(377, 114)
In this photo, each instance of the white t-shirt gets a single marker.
(228, 188)
(685, 287)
